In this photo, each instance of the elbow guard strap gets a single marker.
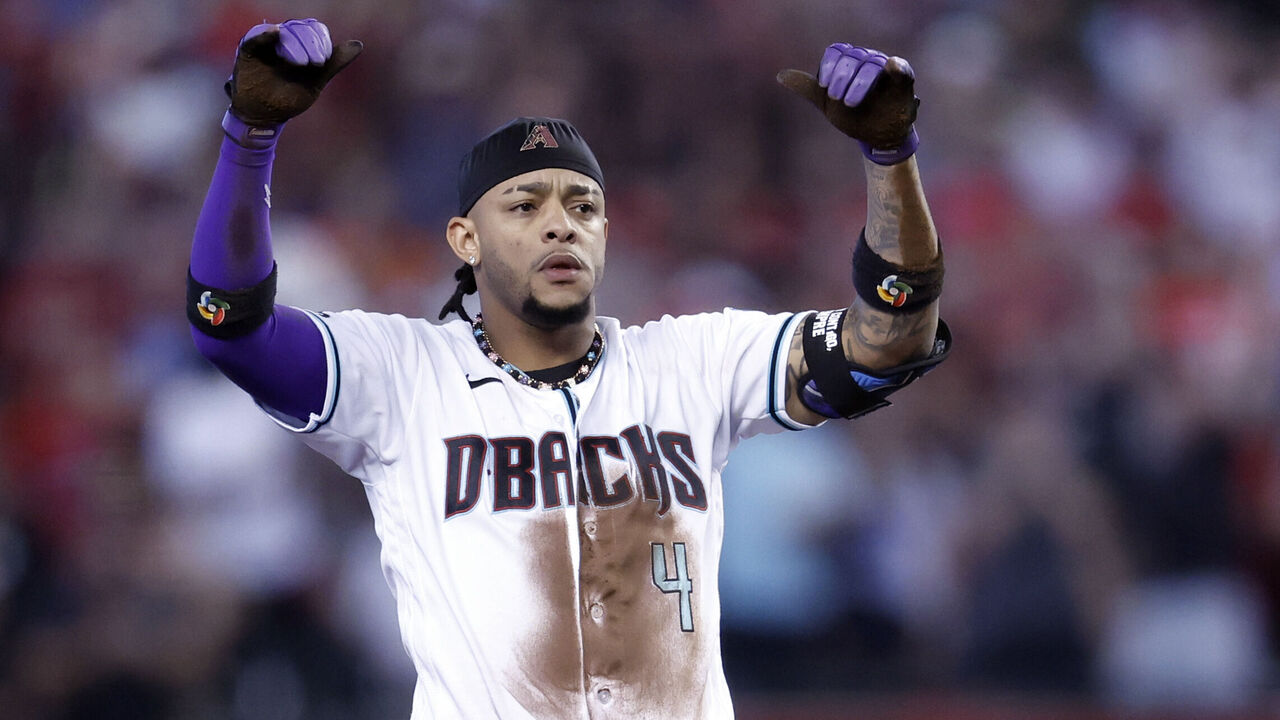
(228, 314)
(836, 387)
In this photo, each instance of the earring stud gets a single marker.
(471, 260)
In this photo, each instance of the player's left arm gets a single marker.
(890, 334)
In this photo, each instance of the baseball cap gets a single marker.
(523, 145)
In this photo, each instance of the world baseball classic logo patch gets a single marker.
(212, 309)
(539, 136)
(893, 291)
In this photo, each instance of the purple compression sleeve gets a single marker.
(282, 363)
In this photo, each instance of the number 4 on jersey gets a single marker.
(679, 584)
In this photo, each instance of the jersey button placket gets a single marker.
(587, 538)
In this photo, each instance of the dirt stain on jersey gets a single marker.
(634, 644)
(614, 628)
(546, 676)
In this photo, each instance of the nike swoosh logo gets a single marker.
(477, 383)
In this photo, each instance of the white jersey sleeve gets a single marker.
(740, 357)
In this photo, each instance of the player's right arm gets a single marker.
(276, 353)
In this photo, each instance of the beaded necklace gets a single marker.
(588, 361)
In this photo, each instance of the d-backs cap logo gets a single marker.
(539, 136)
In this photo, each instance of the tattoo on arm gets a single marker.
(884, 211)
(899, 226)
(879, 339)
(900, 230)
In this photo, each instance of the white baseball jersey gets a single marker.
(553, 553)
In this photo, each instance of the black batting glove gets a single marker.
(281, 69)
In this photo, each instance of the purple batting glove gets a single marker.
(279, 72)
(302, 42)
(867, 95)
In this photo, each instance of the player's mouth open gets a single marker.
(561, 267)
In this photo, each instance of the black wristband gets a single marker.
(893, 288)
(226, 314)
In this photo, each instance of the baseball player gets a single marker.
(546, 483)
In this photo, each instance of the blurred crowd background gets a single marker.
(1077, 515)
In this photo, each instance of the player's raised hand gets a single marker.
(867, 95)
(281, 69)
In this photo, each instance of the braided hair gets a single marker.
(466, 277)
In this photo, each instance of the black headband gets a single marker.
(523, 145)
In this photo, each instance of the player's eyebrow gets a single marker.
(582, 190)
(538, 188)
(541, 188)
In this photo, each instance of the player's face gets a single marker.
(541, 237)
